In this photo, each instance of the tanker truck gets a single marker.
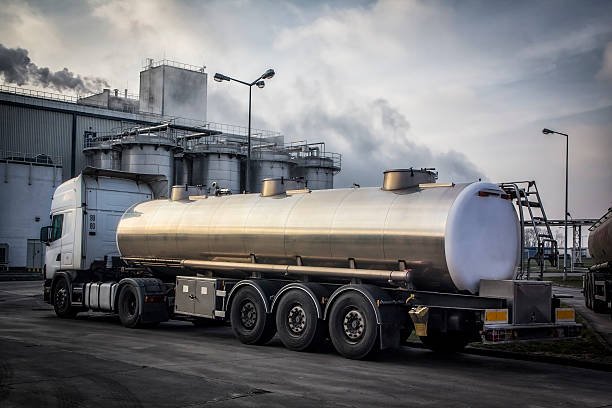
(597, 281)
(363, 268)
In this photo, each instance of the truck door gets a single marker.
(54, 250)
(67, 241)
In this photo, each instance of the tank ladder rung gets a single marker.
(531, 203)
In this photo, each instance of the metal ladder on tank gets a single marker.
(526, 195)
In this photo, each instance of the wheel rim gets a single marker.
(248, 315)
(353, 325)
(130, 304)
(296, 320)
(61, 297)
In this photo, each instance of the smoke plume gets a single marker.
(17, 68)
(373, 137)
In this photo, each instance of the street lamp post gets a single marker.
(546, 132)
(260, 84)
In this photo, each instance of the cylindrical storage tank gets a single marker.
(600, 240)
(268, 164)
(182, 169)
(218, 163)
(447, 238)
(318, 172)
(103, 157)
(148, 154)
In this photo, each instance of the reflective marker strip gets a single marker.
(496, 316)
(565, 314)
(420, 329)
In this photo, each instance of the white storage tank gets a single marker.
(269, 163)
(148, 153)
(216, 162)
(318, 172)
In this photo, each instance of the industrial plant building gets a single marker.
(47, 138)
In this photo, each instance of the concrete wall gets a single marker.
(26, 190)
(172, 91)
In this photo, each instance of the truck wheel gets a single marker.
(352, 326)
(599, 306)
(298, 326)
(447, 343)
(129, 307)
(250, 322)
(61, 300)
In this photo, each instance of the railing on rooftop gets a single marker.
(38, 94)
(193, 124)
(37, 158)
(308, 153)
(150, 63)
(161, 133)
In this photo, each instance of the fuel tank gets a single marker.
(445, 237)
(600, 239)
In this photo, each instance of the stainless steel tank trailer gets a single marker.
(597, 281)
(364, 267)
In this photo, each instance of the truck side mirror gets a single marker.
(45, 235)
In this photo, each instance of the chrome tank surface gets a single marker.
(600, 240)
(330, 228)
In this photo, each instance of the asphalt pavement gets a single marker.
(600, 322)
(92, 361)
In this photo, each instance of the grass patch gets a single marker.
(570, 282)
(587, 347)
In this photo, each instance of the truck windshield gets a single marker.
(56, 227)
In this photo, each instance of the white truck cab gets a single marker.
(84, 215)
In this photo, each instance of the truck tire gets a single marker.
(128, 307)
(250, 322)
(61, 300)
(352, 326)
(445, 343)
(599, 306)
(297, 323)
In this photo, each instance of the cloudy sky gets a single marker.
(463, 86)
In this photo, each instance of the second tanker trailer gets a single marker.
(364, 267)
(597, 286)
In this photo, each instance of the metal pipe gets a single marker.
(248, 166)
(148, 129)
(546, 132)
(374, 274)
(566, 173)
